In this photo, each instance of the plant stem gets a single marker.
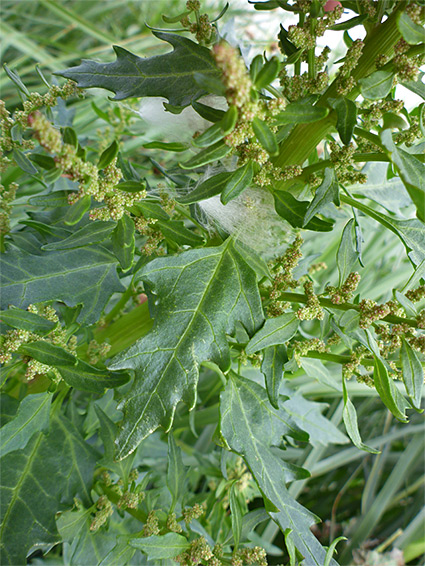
(327, 303)
(336, 358)
(304, 138)
(120, 304)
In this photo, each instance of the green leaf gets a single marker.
(213, 153)
(390, 395)
(176, 231)
(170, 75)
(131, 186)
(300, 113)
(23, 162)
(236, 516)
(411, 32)
(121, 554)
(349, 416)
(161, 546)
(346, 117)
(25, 320)
(265, 136)
(294, 211)
(108, 155)
(86, 377)
(193, 311)
(207, 112)
(274, 359)
(108, 432)
(252, 429)
(317, 370)
(238, 182)
(412, 373)
(92, 233)
(275, 331)
(52, 200)
(46, 229)
(151, 209)
(207, 189)
(412, 172)
(418, 86)
(327, 192)
(332, 547)
(346, 255)
(218, 130)
(77, 210)
(43, 161)
(267, 73)
(49, 354)
(32, 417)
(68, 276)
(123, 242)
(307, 415)
(348, 24)
(377, 85)
(166, 146)
(175, 471)
(36, 482)
(70, 136)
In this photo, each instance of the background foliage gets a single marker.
(259, 456)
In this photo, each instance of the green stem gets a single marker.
(304, 138)
(373, 138)
(337, 359)
(327, 303)
(297, 64)
(120, 304)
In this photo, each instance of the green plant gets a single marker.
(177, 305)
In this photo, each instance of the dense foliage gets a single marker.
(212, 308)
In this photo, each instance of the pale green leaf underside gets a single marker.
(196, 299)
(250, 426)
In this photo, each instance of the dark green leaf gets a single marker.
(255, 67)
(92, 233)
(170, 75)
(418, 86)
(123, 242)
(166, 146)
(274, 359)
(288, 48)
(175, 471)
(68, 276)
(52, 200)
(236, 516)
(265, 136)
(207, 189)
(294, 211)
(390, 395)
(377, 85)
(49, 354)
(348, 24)
(207, 112)
(275, 331)
(211, 84)
(267, 73)
(36, 481)
(349, 416)
(208, 155)
(411, 32)
(151, 209)
(301, 113)
(70, 136)
(238, 182)
(346, 112)
(251, 427)
(108, 155)
(24, 320)
(15, 78)
(161, 546)
(326, 192)
(176, 231)
(32, 417)
(46, 229)
(131, 186)
(77, 210)
(85, 377)
(108, 432)
(347, 255)
(43, 161)
(412, 373)
(193, 311)
(23, 162)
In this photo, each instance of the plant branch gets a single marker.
(327, 303)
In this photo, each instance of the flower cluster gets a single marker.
(345, 81)
(301, 349)
(312, 308)
(342, 159)
(202, 28)
(191, 513)
(343, 294)
(281, 269)
(199, 550)
(104, 511)
(256, 555)
(356, 358)
(7, 196)
(370, 312)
